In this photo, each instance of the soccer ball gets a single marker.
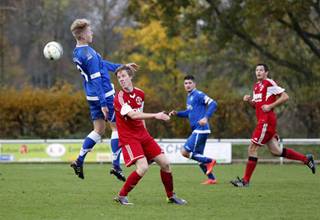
(53, 50)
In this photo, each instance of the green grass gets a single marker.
(51, 191)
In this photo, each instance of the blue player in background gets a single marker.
(99, 93)
(200, 108)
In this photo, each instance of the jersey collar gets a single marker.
(190, 93)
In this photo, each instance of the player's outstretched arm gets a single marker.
(142, 116)
(181, 114)
(173, 113)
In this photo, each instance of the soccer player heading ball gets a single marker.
(200, 108)
(137, 145)
(99, 93)
(266, 96)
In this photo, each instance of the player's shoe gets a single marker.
(239, 182)
(175, 200)
(118, 173)
(122, 200)
(209, 182)
(210, 166)
(310, 163)
(78, 170)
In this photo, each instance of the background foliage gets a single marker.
(218, 41)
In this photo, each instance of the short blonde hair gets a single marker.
(78, 26)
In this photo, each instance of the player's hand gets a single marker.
(105, 112)
(172, 113)
(203, 121)
(162, 116)
(133, 66)
(246, 98)
(266, 108)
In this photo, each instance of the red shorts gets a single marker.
(136, 149)
(263, 132)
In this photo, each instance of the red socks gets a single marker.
(293, 155)
(251, 165)
(167, 181)
(134, 178)
(131, 182)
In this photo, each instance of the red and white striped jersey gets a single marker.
(125, 102)
(264, 93)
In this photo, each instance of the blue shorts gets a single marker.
(196, 143)
(96, 113)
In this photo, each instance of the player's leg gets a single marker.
(153, 152)
(252, 161)
(199, 149)
(260, 136)
(132, 154)
(289, 153)
(250, 166)
(189, 147)
(135, 176)
(88, 144)
(166, 177)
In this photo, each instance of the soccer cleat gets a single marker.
(209, 182)
(78, 170)
(118, 173)
(175, 200)
(210, 166)
(310, 163)
(123, 200)
(239, 182)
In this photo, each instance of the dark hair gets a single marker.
(266, 68)
(189, 77)
(125, 68)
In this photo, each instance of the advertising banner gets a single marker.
(66, 151)
(218, 151)
(51, 152)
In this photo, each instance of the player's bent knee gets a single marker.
(185, 153)
(276, 153)
(253, 149)
(142, 167)
(165, 167)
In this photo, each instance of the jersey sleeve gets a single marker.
(210, 103)
(111, 66)
(273, 88)
(93, 67)
(125, 109)
(183, 113)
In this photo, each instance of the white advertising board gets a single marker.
(219, 151)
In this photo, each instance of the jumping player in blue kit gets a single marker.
(200, 108)
(99, 93)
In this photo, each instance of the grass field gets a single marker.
(51, 191)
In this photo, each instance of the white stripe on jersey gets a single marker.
(95, 75)
(96, 98)
(263, 132)
(207, 100)
(201, 131)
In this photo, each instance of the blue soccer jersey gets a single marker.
(199, 105)
(94, 70)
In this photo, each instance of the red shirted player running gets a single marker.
(137, 145)
(266, 96)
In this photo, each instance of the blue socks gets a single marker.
(87, 146)
(204, 169)
(200, 158)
